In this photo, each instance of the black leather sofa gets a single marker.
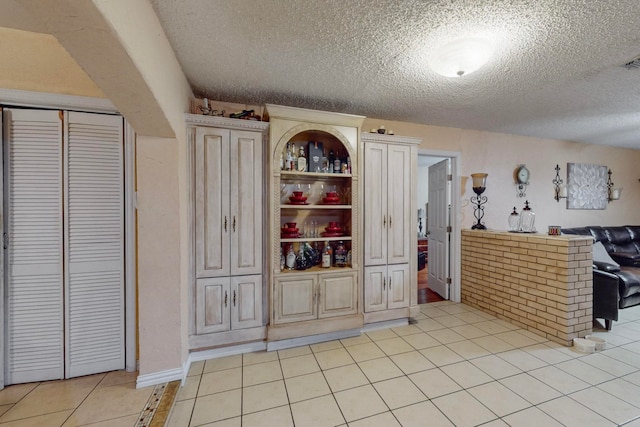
(622, 243)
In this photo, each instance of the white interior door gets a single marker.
(34, 265)
(2, 344)
(438, 233)
(94, 243)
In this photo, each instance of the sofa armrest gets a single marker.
(605, 295)
(605, 266)
(626, 258)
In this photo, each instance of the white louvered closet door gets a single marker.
(33, 223)
(94, 244)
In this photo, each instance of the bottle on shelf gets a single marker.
(289, 159)
(294, 157)
(337, 168)
(331, 161)
(291, 258)
(302, 160)
(340, 255)
(325, 161)
(326, 255)
(301, 259)
(282, 259)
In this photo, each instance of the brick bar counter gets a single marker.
(540, 283)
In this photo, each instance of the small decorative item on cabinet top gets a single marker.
(514, 220)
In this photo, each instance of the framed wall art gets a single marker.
(586, 186)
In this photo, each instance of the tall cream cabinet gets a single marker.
(308, 299)
(390, 227)
(227, 170)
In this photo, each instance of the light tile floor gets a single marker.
(456, 366)
(102, 400)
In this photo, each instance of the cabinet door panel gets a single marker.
(246, 202)
(399, 204)
(295, 299)
(213, 225)
(338, 295)
(212, 305)
(398, 286)
(375, 204)
(246, 301)
(375, 288)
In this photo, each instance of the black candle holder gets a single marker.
(479, 184)
(478, 209)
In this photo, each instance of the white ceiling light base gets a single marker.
(460, 57)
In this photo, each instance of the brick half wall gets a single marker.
(540, 283)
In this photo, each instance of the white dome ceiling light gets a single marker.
(460, 57)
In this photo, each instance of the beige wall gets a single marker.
(159, 292)
(499, 154)
(36, 62)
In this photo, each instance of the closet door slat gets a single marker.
(94, 249)
(33, 222)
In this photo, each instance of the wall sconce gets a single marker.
(479, 184)
(612, 193)
(460, 57)
(559, 188)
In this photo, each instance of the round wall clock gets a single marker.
(522, 175)
(522, 180)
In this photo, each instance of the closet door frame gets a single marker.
(19, 98)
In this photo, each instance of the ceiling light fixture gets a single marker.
(460, 57)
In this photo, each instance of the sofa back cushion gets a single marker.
(600, 255)
(620, 239)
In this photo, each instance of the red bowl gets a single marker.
(291, 225)
(333, 224)
(331, 199)
(286, 230)
(332, 194)
(298, 193)
(333, 229)
(297, 199)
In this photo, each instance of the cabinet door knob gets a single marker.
(384, 283)
(389, 282)
(234, 223)
(234, 298)
(225, 223)
(389, 221)
(384, 221)
(225, 298)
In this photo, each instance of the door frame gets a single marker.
(456, 219)
(19, 98)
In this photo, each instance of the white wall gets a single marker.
(499, 154)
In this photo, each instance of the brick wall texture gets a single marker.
(540, 283)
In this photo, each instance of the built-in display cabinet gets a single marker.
(390, 227)
(315, 250)
(228, 185)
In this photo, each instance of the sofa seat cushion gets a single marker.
(629, 281)
(627, 258)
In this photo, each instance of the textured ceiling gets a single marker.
(556, 72)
